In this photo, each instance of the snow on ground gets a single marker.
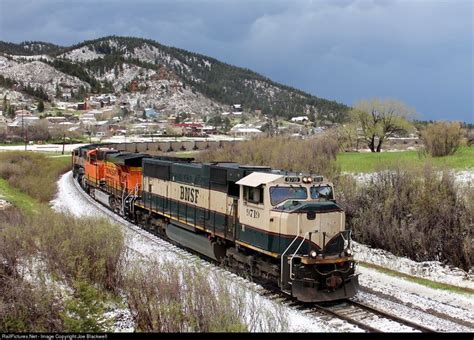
(416, 302)
(462, 177)
(431, 270)
(4, 204)
(42, 147)
(439, 309)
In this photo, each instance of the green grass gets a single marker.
(61, 160)
(18, 198)
(421, 281)
(370, 162)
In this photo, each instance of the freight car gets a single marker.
(282, 228)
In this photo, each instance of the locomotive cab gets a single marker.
(299, 223)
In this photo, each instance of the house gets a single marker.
(244, 131)
(56, 119)
(20, 122)
(300, 119)
(236, 108)
(82, 106)
(190, 129)
(150, 113)
(87, 119)
(19, 113)
(209, 130)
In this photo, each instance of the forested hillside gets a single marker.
(101, 64)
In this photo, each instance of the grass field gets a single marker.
(18, 198)
(463, 159)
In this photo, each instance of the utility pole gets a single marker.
(64, 142)
(23, 128)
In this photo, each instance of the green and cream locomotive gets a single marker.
(284, 229)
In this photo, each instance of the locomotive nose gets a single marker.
(333, 281)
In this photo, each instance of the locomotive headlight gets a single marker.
(304, 179)
(313, 254)
(348, 252)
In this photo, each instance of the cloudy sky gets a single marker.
(419, 51)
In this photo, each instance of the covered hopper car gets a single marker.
(284, 229)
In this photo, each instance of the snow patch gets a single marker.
(431, 270)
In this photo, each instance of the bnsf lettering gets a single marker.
(189, 194)
(253, 213)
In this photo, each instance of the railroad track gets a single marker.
(355, 312)
(350, 311)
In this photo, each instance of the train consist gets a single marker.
(284, 229)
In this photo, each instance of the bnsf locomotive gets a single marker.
(284, 229)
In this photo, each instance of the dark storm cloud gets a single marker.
(420, 52)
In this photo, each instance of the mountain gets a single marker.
(29, 48)
(161, 75)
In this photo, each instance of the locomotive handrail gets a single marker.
(293, 256)
(288, 248)
(283, 256)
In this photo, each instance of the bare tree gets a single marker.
(380, 119)
(347, 137)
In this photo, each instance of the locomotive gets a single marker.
(283, 228)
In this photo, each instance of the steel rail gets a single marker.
(392, 317)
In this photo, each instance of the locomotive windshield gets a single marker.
(321, 192)
(280, 194)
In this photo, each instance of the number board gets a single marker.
(292, 179)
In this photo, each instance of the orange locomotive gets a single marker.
(118, 175)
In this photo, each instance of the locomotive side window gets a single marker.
(253, 195)
(321, 192)
(280, 194)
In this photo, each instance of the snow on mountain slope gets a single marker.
(37, 73)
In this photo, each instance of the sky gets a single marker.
(419, 52)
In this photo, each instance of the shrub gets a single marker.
(85, 248)
(85, 310)
(171, 298)
(442, 138)
(315, 155)
(34, 174)
(37, 251)
(416, 213)
(25, 307)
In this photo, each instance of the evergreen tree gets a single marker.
(11, 111)
(58, 91)
(40, 106)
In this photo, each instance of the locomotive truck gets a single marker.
(283, 228)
